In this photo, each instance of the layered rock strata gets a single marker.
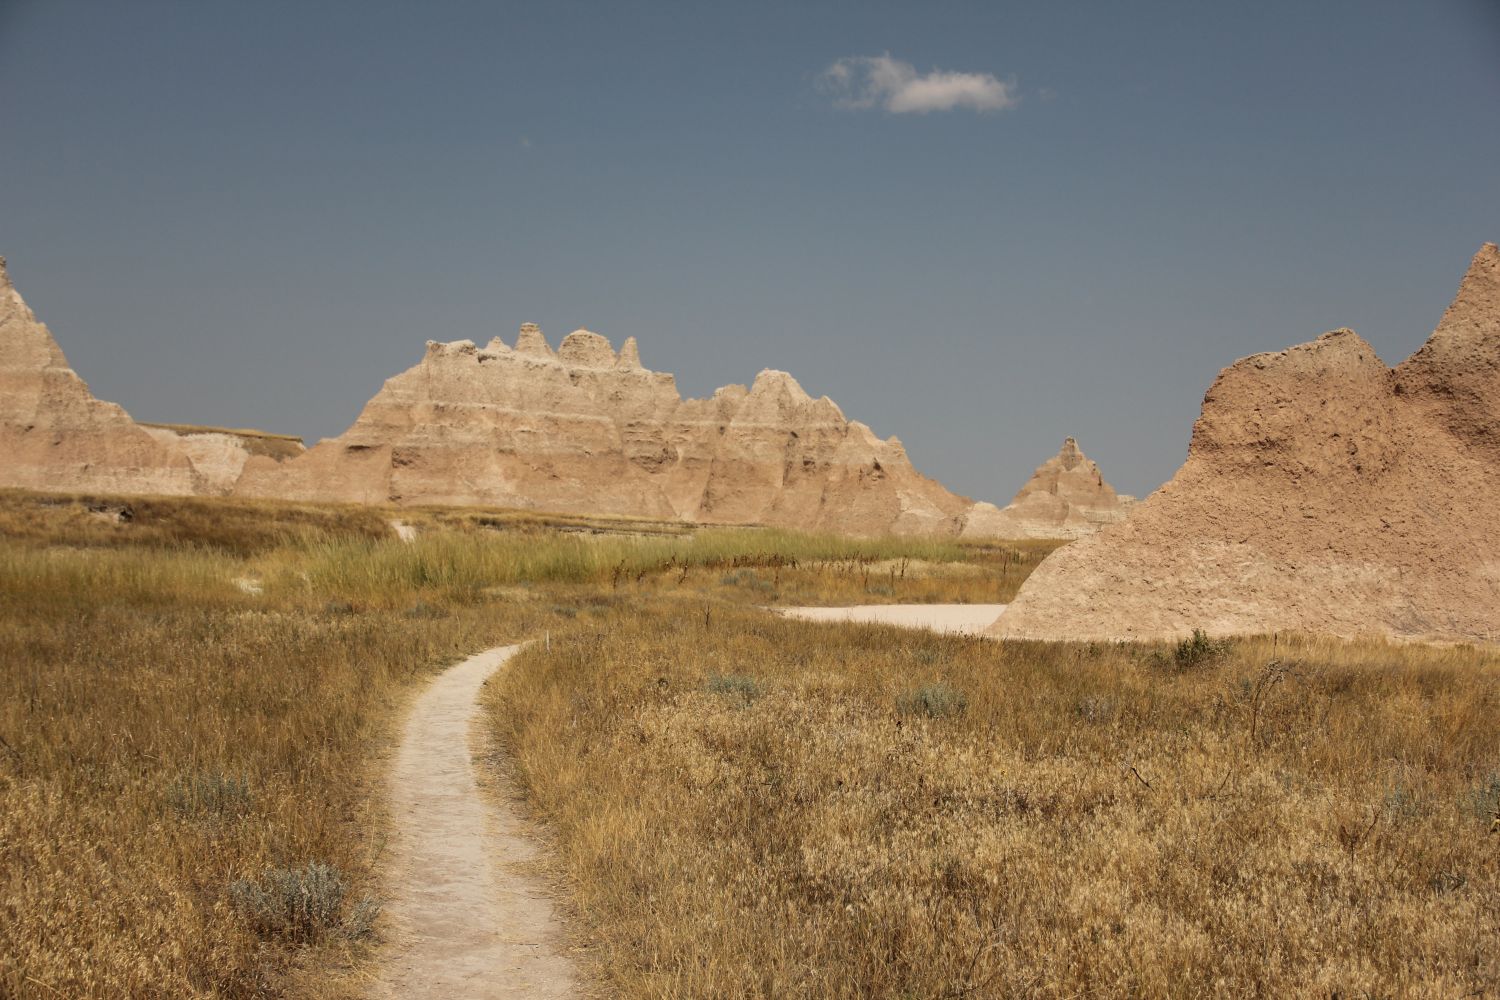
(54, 435)
(219, 454)
(1066, 497)
(585, 430)
(1323, 492)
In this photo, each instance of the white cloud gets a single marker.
(859, 83)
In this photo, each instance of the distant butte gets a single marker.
(1066, 497)
(584, 430)
(578, 430)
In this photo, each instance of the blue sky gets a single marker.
(252, 214)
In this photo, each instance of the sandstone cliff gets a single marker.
(584, 430)
(1323, 492)
(219, 454)
(55, 435)
(1066, 497)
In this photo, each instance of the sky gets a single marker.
(981, 227)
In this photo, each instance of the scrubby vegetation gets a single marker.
(166, 737)
(195, 696)
(194, 704)
(904, 815)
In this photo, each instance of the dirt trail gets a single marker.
(464, 922)
(964, 619)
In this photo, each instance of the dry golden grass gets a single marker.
(743, 805)
(747, 806)
(960, 574)
(166, 732)
(238, 527)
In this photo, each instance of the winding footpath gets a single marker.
(465, 922)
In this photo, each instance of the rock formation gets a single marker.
(1066, 497)
(54, 435)
(579, 430)
(219, 454)
(1323, 492)
(583, 430)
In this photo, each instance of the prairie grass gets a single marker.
(907, 815)
(230, 526)
(164, 737)
(755, 566)
(345, 548)
(195, 702)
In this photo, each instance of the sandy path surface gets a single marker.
(464, 922)
(964, 619)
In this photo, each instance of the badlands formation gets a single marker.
(54, 435)
(1066, 497)
(579, 430)
(585, 430)
(1323, 492)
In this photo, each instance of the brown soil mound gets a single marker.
(1066, 497)
(1323, 492)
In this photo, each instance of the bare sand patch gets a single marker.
(962, 619)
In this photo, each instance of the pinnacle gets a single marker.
(630, 354)
(531, 341)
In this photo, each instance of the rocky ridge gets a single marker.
(1323, 492)
(1066, 497)
(586, 430)
(55, 435)
(581, 430)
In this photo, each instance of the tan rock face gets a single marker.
(1323, 492)
(218, 454)
(1066, 497)
(55, 435)
(584, 430)
(579, 430)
